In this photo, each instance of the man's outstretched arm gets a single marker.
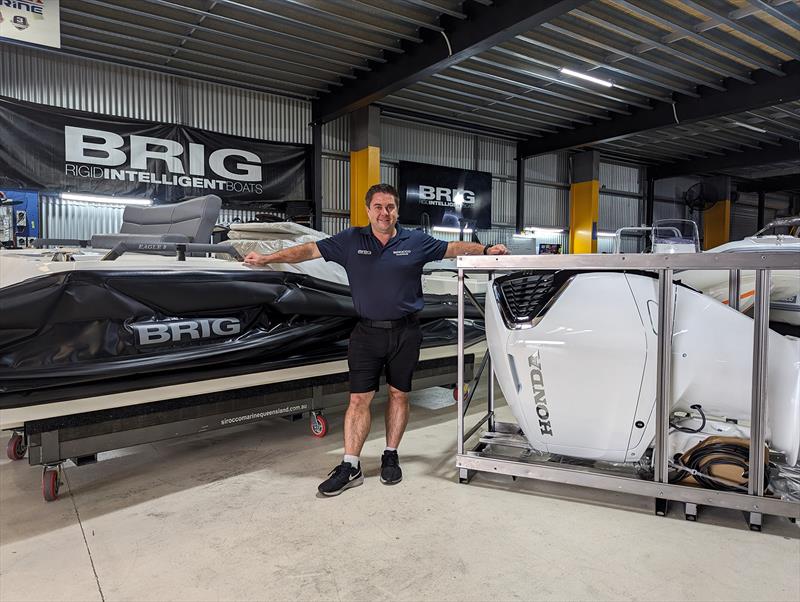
(454, 249)
(295, 254)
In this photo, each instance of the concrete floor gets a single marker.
(234, 515)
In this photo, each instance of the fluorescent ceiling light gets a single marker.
(537, 229)
(525, 236)
(750, 127)
(607, 234)
(588, 78)
(451, 230)
(114, 200)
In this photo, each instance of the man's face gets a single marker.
(382, 213)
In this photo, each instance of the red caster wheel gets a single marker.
(16, 448)
(50, 484)
(455, 391)
(319, 425)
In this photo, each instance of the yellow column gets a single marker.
(365, 171)
(717, 224)
(584, 203)
(365, 160)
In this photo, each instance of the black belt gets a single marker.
(409, 319)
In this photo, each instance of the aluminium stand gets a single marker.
(754, 503)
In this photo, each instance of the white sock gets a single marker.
(390, 449)
(352, 459)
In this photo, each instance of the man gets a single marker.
(384, 266)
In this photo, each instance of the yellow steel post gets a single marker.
(717, 224)
(365, 160)
(584, 202)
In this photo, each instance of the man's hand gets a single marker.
(498, 250)
(294, 254)
(256, 259)
(456, 248)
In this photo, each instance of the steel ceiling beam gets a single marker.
(503, 96)
(600, 64)
(786, 151)
(144, 17)
(486, 101)
(262, 30)
(483, 28)
(774, 184)
(680, 32)
(585, 35)
(739, 97)
(388, 110)
(390, 14)
(529, 89)
(630, 31)
(764, 38)
(246, 65)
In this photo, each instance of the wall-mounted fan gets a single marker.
(696, 199)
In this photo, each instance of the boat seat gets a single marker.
(188, 221)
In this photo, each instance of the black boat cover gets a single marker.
(108, 330)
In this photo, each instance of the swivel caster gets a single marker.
(319, 425)
(51, 482)
(16, 448)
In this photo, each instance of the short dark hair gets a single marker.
(384, 188)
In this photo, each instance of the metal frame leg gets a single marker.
(758, 411)
(460, 396)
(734, 280)
(666, 301)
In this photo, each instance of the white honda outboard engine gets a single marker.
(575, 356)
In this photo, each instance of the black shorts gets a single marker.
(373, 349)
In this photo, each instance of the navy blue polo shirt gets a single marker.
(385, 281)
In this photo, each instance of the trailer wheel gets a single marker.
(50, 484)
(16, 448)
(455, 391)
(319, 425)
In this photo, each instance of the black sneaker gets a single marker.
(390, 468)
(342, 477)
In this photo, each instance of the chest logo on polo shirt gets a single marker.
(364, 252)
(402, 252)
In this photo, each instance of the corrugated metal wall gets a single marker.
(229, 216)
(605, 244)
(75, 83)
(497, 156)
(402, 141)
(667, 210)
(504, 202)
(335, 184)
(389, 173)
(553, 168)
(77, 219)
(546, 206)
(621, 178)
(744, 220)
(333, 224)
(619, 210)
(239, 112)
(336, 136)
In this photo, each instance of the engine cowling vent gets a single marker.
(523, 295)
